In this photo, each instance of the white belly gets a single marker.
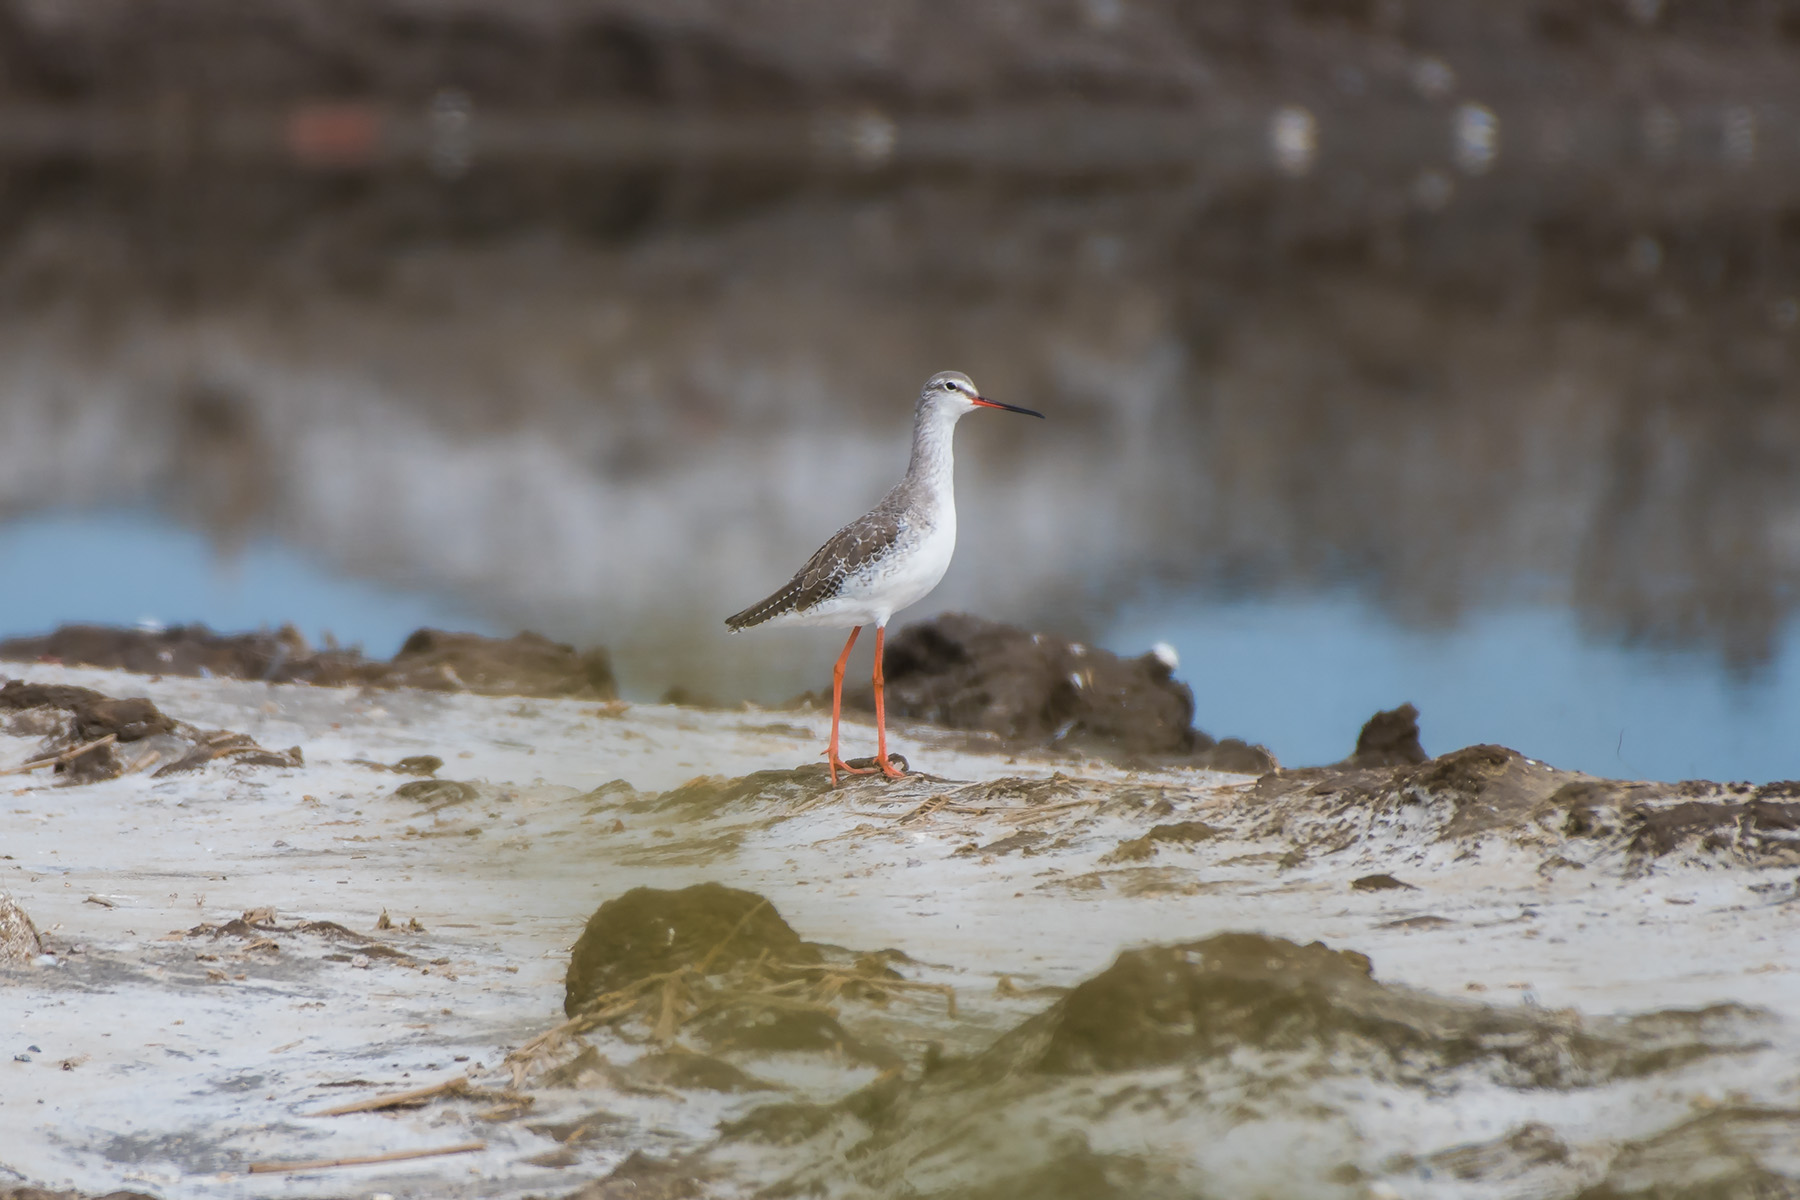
(912, 575)
(900, 578)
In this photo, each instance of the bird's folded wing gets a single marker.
(850, 550)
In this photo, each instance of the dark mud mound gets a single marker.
(653, 931)
(437, 794)
(1465, 793)
(1389, 739)
(1380, 883)
(1738, 1153)
(1177, 1002)
(526, 664)
(1482, 790)
(718, 967)
(1141, 1077)
(965, 672)
(1760, 825)
(1484, 787)
(1488, 787)
(1207, 1000)
(176, 650)
(82, 731)
(94, 714)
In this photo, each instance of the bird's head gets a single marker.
(955, 392)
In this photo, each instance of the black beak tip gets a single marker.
(1030, 412)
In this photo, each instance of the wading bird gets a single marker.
(887, 559)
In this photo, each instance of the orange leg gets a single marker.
(887, 768)
(833, 763)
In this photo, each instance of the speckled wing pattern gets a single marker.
(850, 551)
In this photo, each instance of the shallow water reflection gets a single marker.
(1304, 673)
(1298, 673)
(132, 568)
(1525, 457)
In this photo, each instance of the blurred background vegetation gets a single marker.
(1394, 350)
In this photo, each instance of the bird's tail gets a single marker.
(767, 609)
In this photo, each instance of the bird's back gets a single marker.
(851, 555)
(896, 553)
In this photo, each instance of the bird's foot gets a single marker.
(834, 764)
(891, 771)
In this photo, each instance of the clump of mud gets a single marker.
(653, 931)
(1210, 999)
(1478, 791)
(92, 714)
(1757, 824)
(1733, 1152)
(82, 733)
(965, 672)
(261, 930)
(1389, 739)
(1135, 1081)
(716, 966)
(526, 664)
(1469, 791)
(189, 650)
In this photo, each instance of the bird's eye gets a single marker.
(949, 385)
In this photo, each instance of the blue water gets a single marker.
(1301, 675)
(123, 568)
(1298, 674)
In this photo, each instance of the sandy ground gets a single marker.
(138, 1054)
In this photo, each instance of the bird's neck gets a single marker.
(933, 463)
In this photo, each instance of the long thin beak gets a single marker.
(1008, 407)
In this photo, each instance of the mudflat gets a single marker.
(429, 943)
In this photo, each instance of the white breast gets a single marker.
(916, 569)
(903, 576)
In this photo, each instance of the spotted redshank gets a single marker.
(883, 561)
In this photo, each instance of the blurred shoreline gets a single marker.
(613, 434)
(595, 318)
(1429, 358)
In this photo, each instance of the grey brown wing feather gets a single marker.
(850, 550)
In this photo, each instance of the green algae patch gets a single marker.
(1139, 1079)
(654, 931)
(1178, 833)
(1734, 1153)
